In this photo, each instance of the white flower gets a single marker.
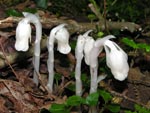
(62, 37)
(61, 34)
(88, 47)
(23, 35)
(116, 60)
(97, 49)
(79, 47)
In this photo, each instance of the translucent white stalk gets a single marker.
(79, 56)
(96, 50)
(61, 35)
(24, 32)
(37, 49)
(93, 63)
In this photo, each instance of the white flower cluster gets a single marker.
(86, 47)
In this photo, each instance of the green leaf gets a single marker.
(84, 78)
(113, 108)
(58, 108)
(30, 10)
(105, 95)
(141, 109)
(130, 43)
(42, 3)
(13, 12)
(57, 76)
(144, 46)
(74, 101)
(92, 99)
(127, 111)
(73, 45)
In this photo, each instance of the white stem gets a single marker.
(78, 77)
(50, 61)
(79, 56)
(101, 77)
(50, 64)
(35, 20)
(93, 87)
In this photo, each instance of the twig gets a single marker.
(107, 87)
(105, 21)
(127, 98)
(8, 61)
(97, 13)
(63, 87)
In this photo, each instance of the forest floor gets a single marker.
(18, 93)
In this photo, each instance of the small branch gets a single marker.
(8, 61)
(97, 13)
(114, 93)
(105, 21)
(13, 57)
(74, 26)
(108, 25)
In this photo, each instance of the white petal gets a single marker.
(34, 18)
(89, 43)
(97, 49)
(62, 36)
(23, 34)
(79, 47)
(116, 60)
(87, 33)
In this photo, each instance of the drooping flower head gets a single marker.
(97, 49)
(61, 34)
(23, 35)
(116, 60)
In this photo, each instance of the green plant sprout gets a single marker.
(138, 109)
(91, 100)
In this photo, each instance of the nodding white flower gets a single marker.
(116, 60)
(61, 34)
(79, 47)
(88, 47)
(62, 37)
(97, 49)
(23, 35)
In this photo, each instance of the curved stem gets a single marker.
(37, 50)
(50, 61)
